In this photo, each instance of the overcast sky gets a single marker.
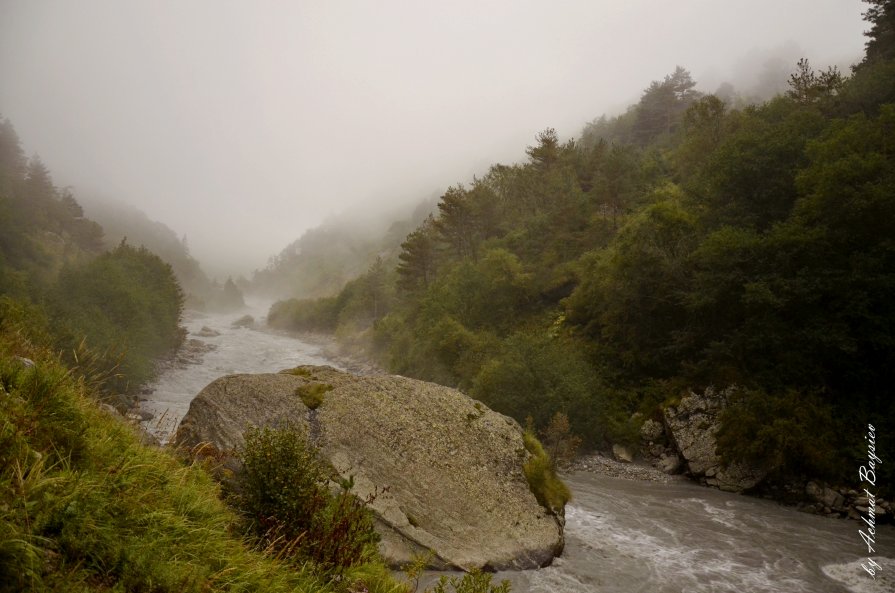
(241, 124)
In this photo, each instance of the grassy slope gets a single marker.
(85, 507)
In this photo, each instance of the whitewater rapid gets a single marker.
(625, 536)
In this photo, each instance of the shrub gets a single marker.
(559, 441)
(127, 304)
(282, 482)
(282, 491)
(341, 535)
(785, 432)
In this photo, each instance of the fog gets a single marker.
(241, 124)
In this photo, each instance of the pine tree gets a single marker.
(418, 257)
(881, 43)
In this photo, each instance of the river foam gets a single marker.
(856, 579)
(626, 536)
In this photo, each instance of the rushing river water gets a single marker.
(234, 350)
(622, 536)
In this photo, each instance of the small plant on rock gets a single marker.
(549, 490)
(311, 394)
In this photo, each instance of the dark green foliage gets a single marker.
(126, 301)
(282, 483)
(807, 86)
(662, 105)
(113, 315)
(881, 36)
(282, 490)
(688, 242)
(418, 258)
(789, 431)
(120, 221)
(536, 376)
(749, 180)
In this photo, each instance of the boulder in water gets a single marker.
(453, 469)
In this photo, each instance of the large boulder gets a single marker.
(692, 426)
(448, 470)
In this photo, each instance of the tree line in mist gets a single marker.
(688, 242)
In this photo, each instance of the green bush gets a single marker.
(551, 492)
(537, 375)
(282, 482)
(786, 432)
(283, 491)
(126, 304)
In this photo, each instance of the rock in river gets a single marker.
(451, 466)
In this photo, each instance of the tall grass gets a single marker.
(84, 506)
(550, 491)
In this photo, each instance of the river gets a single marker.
(234, 350)
(622, 536)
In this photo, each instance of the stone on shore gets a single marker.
(692, 426)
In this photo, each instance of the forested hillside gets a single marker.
(121, 221)
(113, 313)
(686, 243)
